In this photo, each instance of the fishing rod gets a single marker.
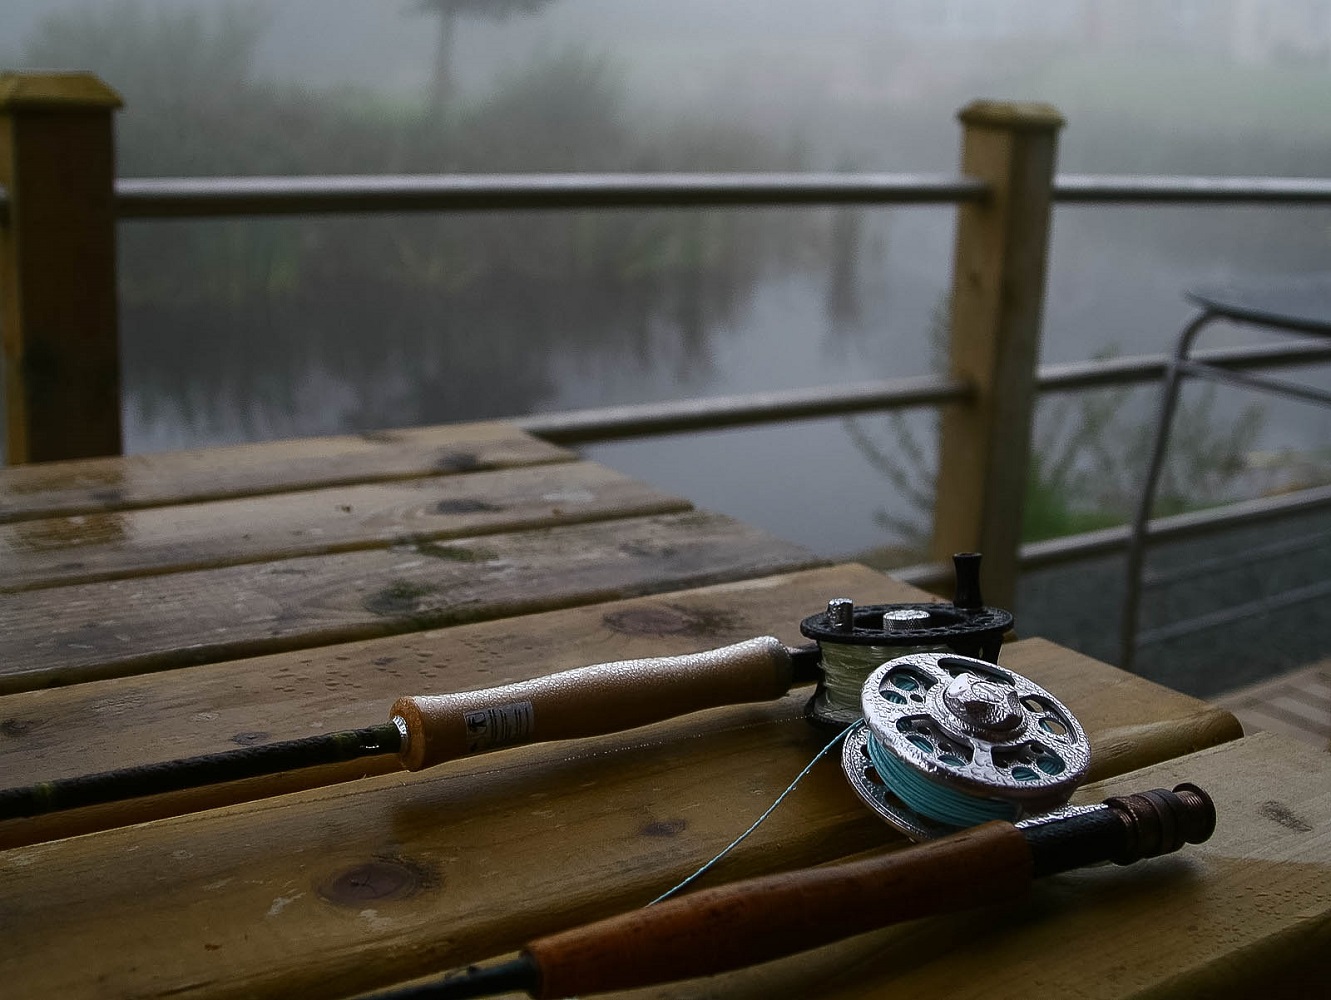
(761, 919)
(974, 761)
(426, 730)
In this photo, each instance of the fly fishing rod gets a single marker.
(761, 919)
(430, 729)
(975, 761)
(587, 701)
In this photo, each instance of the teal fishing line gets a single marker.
(932, 800)
(758, 822)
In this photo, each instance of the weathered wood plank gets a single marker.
(103, 484)
(89, 631)
(333, 891)
(82, 548)
(144, 719)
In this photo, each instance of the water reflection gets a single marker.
(514, 305)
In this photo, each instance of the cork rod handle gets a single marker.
(590, 701)
(744, 923)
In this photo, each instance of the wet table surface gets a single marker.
(157, 607)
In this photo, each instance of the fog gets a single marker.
(247, 330)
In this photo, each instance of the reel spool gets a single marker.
(854, 640)
(952, 741)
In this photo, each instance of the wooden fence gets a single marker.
(61, 200)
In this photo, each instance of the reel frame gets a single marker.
(970, 727)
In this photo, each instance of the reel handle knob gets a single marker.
(967, 569)
(589, 701)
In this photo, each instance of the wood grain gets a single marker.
(84, 632)
(82, 487)
(1131, 722)
(336, 890)
(149, 718)
(82, 548)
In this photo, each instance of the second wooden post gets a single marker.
(998, 283)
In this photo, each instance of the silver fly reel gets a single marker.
(950, 741)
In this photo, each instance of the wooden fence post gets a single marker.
(58, 267)
(998, 281)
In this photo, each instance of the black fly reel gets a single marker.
(854, 640)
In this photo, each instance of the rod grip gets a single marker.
(590, 701)
(742, 924)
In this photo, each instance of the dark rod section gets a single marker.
(175, 775)
(1123, 830)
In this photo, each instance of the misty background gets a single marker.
(248, 330)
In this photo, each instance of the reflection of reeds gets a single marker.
(405, 319)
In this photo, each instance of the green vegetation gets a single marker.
(1087, 463)
(1087, 460)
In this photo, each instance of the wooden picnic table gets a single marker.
(163, 606)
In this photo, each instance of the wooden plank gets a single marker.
(333, 891)
(82, 548)
(92, 485)
(85, 632)
(145, 719)
(1313, 681)
(1246, 914)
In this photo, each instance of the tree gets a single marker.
(441, 78)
